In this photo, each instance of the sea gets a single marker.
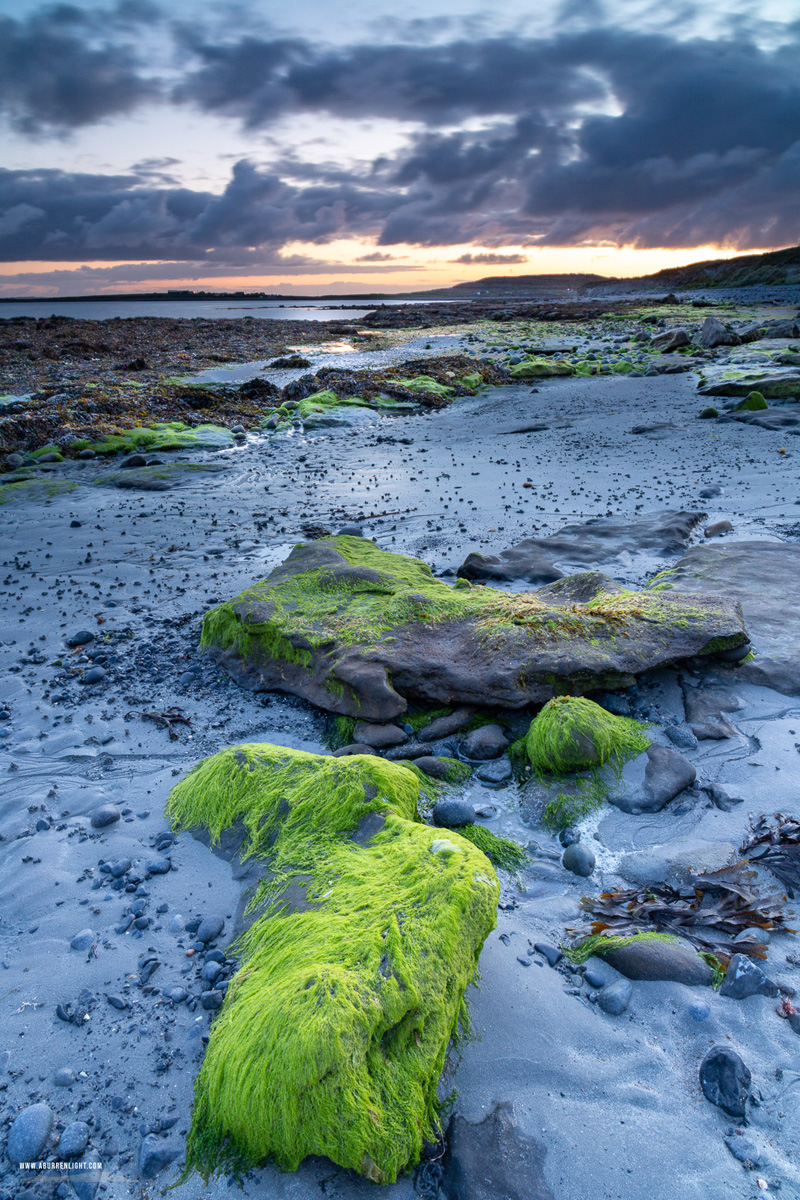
(300, 309)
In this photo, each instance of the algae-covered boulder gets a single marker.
(360, 631)
(772, 387)
(753, 402)
(537, 368)
(352, 976)
(572, 733)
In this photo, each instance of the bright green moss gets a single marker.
(572, 733)
(166, 435)
(501, 852)
(352, 978)
(535, 368)
(709, 413)
(600, 943)
(35, 489)
(754, 402)
(472, 382)
(47, 450)
(569, 807)
(425, 384)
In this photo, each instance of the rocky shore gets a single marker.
(340, 659)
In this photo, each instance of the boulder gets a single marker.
(493, 1160)
(762, 576)
(361, 632)
(772, 387)
(596, 543)
(334, 1031)
(488, 741)
(666, 774)
(714, 333)
(669, 340)
(653, 959)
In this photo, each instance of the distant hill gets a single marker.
(775, 267)
(519, 285)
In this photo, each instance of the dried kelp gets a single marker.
(774, 843)
(708, 914)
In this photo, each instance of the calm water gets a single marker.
(265, 310)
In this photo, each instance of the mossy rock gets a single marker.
(537, 368)
(35, 489)
(572, 733)
(367, 929)
(424, 384)
(166, 435)
(362, 632)
(709, 413)
(159, 478)
(772, 387)
(754, 402)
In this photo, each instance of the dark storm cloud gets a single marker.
(63, 67)
(603, 133)
(490, 260)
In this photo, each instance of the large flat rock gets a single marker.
(762, 576)
(359, 631)
(599, 543)
(772, 387)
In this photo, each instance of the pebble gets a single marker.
(681, 737)
(745, 978)
(74, 1139)
(30, 1132)
(488, 741)
(154, 1155)
(118, 1002)
(105, 815)
(495, 772)
(569, 836)
(211, 972)
(615, 997)
(579, 859)
(176, 993)
(699, 1011)
(212, 1000)
(551, 953)
(452, 814)
(81, 638)
(159, 866)
(94, 675)
(176, 925)
(725, 1080)
(209, 929)
(64, 1077)
(83, 940)
(595, 978)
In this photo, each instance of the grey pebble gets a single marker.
(30, 1132)
(209, 929)
(83, 940)
(74, 1139)
(105, 815)
(579, 859)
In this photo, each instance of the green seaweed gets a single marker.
(501, 852)
(368, 926)
(709, 413)
(600, 943)
(753, 402)
(165, 435)
(572, 733)
(536, 368)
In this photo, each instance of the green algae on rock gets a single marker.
(164, 435)
(360, 631)
(353, 974)
(753, 402)
(572, 733)
(536, 368)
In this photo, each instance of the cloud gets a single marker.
(376, 256)
(490, 260)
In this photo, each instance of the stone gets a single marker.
(597, 543)
(379, 736)
(551, 953)
(154, 1156)
(452, 814)
(705, 712)
(133, 460)
(666, 774)
(579, 859)
(676, 862)
(64, 1077)
(73, 1140)
(772, 387)
(762, 576)
(493, 1160)
(681, 737)
(105, 815)
(209, 929)
(485, 742)
(713, 333)
(725, 1080)
(81, 638)
(745, 978)
(699, 1010)
(613, 998)
(669, 340)
(718, 527)
(354, 644)
(93, 675)
(442, 727)
(355, 748)
(30, 1133)
(83, 940)
(212, 999)
(595, 977)
(436, 768)
(652, 959)
(569, 835)
(495, 772)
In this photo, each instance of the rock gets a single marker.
(488, 741)
(699, 1010)
(653, 959)
(615, 997)
(596, 978)
(176, 993)
(666, 774)
(354, 748)
(353, 644)
(154, 1156)
(496, 772)
(676, 862)
(15, 460)
(73, 1140)
(725, 1080)
(105, 815)
(212, 1000)
(379, 736)
(569, 835)
(452, 814)
(669, 340)
(87, 454)
(442, 727)
(211, 971)
(493, 1160)
(64, 1076)
(133, 460)
(714, 333)
(596, 543)
(209, 929)
(717, 528)
(437, 768)
(705, 709)
(81, 638)
(93, 675)
(83, 940)
(30, 1133)
(579, 859)
(551, 953)
(745, 978)
(409, 752)
(772, 387)
(447, 895)
(681, 737)
(84, 1178)
(762, 576)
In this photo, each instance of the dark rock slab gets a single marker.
(706, 709)
(653, 960)
(594, 544)
(784, 419)
(772, 387)
(745, 978)
(762, 576)
(666, 774)
(493, 1160)
(362, 632)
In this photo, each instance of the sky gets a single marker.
(343, 146)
